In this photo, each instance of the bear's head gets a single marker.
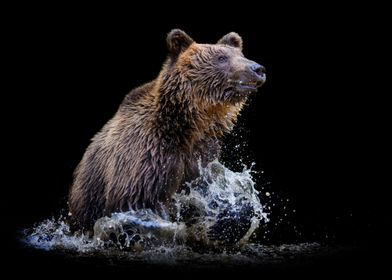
(212, 72)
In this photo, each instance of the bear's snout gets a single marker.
(248, 76)
(258, 69)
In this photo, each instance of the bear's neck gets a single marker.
(184, 120)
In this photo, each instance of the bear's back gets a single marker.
(136, 95)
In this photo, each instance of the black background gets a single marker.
(317, 128)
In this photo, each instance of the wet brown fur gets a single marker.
(153, 143)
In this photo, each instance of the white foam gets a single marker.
(217, 191)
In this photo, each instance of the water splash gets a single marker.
(55, 234)
(221, 209)
(212, 220)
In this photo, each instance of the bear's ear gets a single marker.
(178, 41)
(231, 39)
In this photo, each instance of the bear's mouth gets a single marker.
(244, 86)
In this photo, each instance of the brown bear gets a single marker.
(163, 128)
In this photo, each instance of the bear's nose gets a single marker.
(258, 69)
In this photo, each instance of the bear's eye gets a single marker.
(222, 58)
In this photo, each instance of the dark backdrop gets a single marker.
(315, 129)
